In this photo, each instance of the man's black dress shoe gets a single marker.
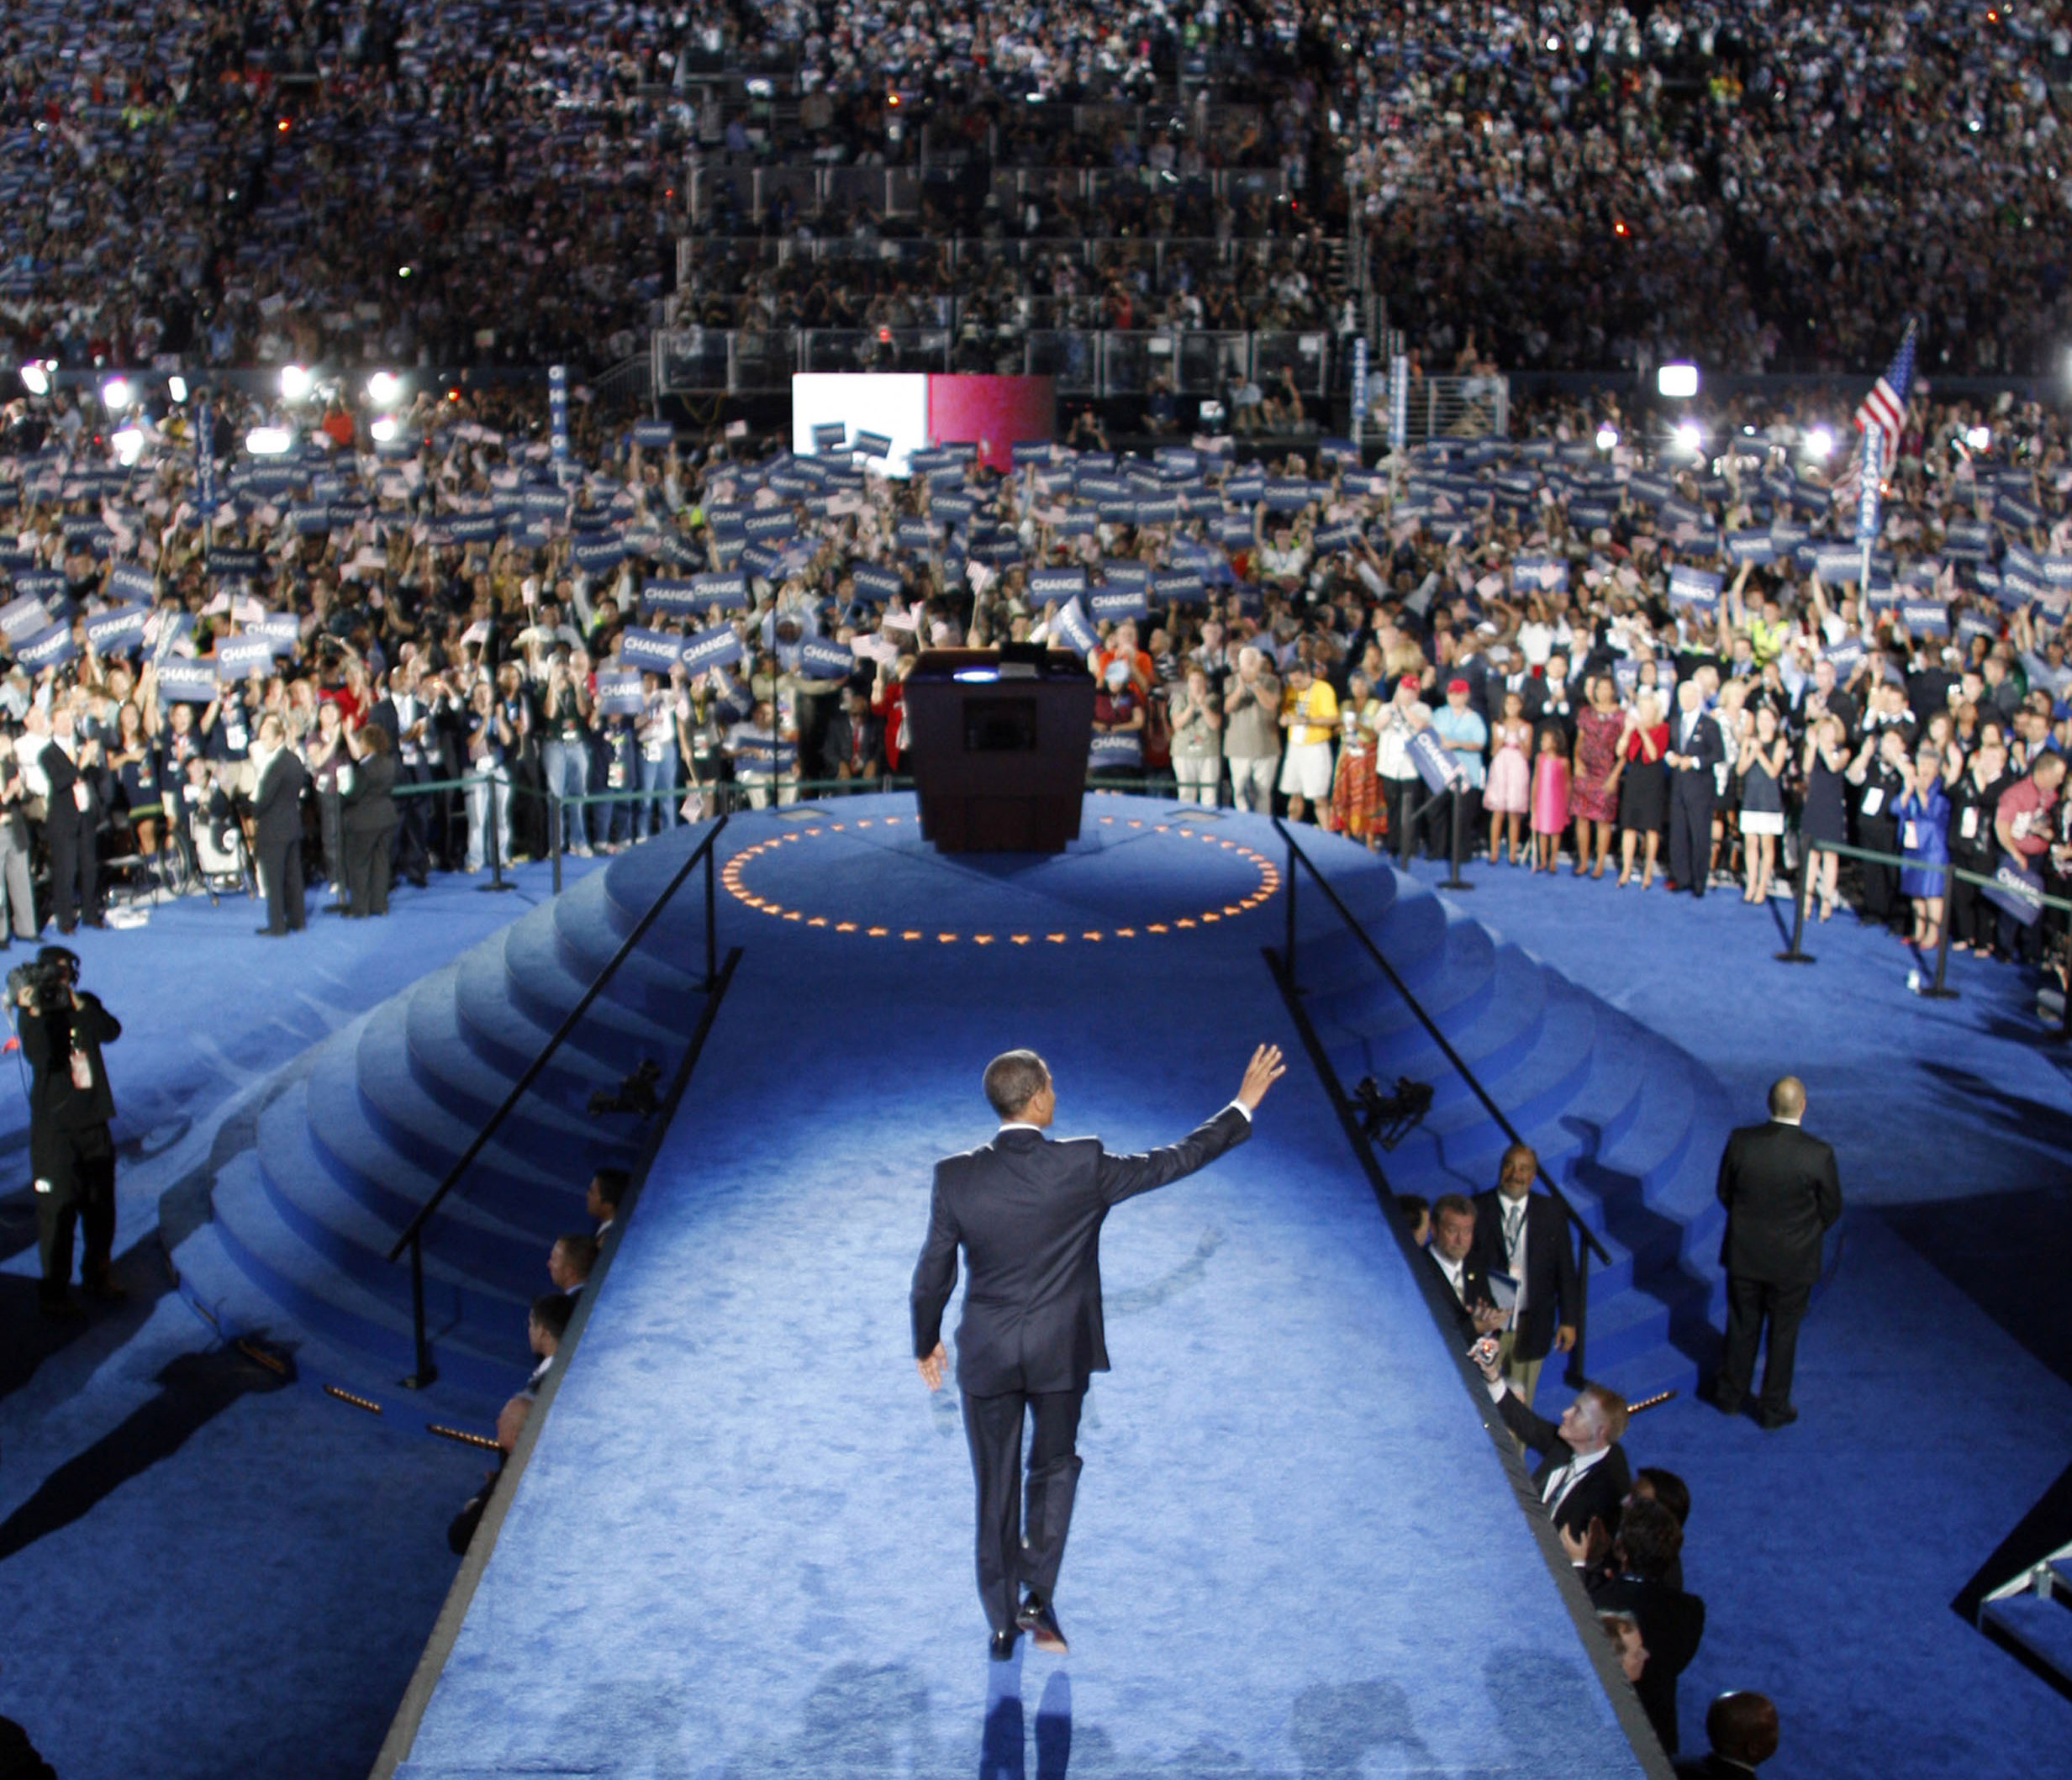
(1727, 1403)
(1036, 1619)
(1782, 1417)
(1003, 1645)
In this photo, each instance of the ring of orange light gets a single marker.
(731, 875)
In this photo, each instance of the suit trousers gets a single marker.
(1014, 1546)
(1521, 1377)
(79, 1192)
(280, 876)
(367, 869)
(1690, 829)
(1749, 1303)
(74, 866)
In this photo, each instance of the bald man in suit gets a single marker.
(1782, 1195)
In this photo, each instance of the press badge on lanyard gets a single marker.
(1907, 842)
(1873, 800)
(1967, 827)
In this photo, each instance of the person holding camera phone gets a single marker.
(70, 1151)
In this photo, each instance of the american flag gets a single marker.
(1885, 406)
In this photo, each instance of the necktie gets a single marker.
(1557, 1480)
(1514, 1219)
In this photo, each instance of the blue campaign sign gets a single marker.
(656, 651)
(1925, 616)
(22, 616)
(672, 596)
(1111, 605)
(1073, 630)
(1696, 588)
(619, 692)
(132, 580)
(760, 559)
(1845, 654)
(599, 556)
(1756, 547)
(310, 522)
(873, 581)
(717, 647)
(1030, 452)
(1286, 496)
(181, 680)
(914, 534)
(544, 503)
(1336, 538)
(474, 528)
(873, 445)
(1121, 752)
(729, 592)
(1179, 587)
(1434, 762)
(1976, 623)
(1057, 583)
(50, 647)
(2016, 889)
(121, 629)
(656, 434)
(829, 436)
(1839, 567)
(772, 523)
(820, 660)
(2058, 571)
(237, 656)
(1124, 571)
(1969, 538)
(283, 630)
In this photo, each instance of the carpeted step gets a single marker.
(319, 1296)
(482, 1271)
(540, 981)
(505, 1035)
(2061, 1579)
(1624, 1325)
(1658, 1370)
(667, 965)
(382, 1193)
(2042, 1626)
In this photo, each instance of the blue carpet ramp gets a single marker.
(741, 1545)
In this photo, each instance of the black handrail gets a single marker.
(412, 1238)
(1592, 1244)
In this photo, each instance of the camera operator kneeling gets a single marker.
(70, 1146)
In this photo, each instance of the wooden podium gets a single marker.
(1000, 741)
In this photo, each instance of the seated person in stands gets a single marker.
(569, 1262)
(1416, 1211)
(1671, 1622)
(510, 1424)
(607, 1193)
(1450, 1255)
(544, 1328)
(1583, 1475)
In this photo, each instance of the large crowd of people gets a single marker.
(1647, 651)
(1587, 187)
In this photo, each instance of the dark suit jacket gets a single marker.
(48, 1041)
(1474, 1289)
(1671, 1623)
(276, 803)
(19, 1759)
(834, 750)
(1552, 1290)
(1710, 1766)
(62, 773)
(1782, 1194)
(1707, 747)
(369, 806)
(1597, 1494)
(1028, 1213)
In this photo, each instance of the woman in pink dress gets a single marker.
(1509, 794)
(1550, 795)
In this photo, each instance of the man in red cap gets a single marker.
(1465, 736)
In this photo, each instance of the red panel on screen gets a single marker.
(991, 413)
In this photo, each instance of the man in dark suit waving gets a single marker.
(1028, 1213)
(1782, 1196)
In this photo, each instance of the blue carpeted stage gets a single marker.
(742, 1545)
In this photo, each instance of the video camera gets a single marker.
(48, 977)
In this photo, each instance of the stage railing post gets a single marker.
(1936, 991)
(712, 968)
(1576, 1378)
(554, 835)
(1456, 882)
(426, 1374)
(1792, 954)
(1287, 950)
(494, 843)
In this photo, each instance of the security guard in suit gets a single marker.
(70, 1149)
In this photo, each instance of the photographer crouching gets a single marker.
(62, 1029)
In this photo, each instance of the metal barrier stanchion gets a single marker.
(1288, 954)
(493, 840)
(1455, 881)
(1793, 954)
(1936, 991)
(554, 836)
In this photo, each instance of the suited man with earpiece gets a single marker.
(1027, 1213)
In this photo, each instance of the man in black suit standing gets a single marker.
(51, 750)
(1782, 1196)
(1526, 1236)
(1028, 1215)
(1451, 1256)
(1672, 1622)
(277, 827)
(1583, 1475)
(1696, 748)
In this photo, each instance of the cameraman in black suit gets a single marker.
(1526, 1236)
(1027, 1213)
(71, 1150)
(1782, 1196)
